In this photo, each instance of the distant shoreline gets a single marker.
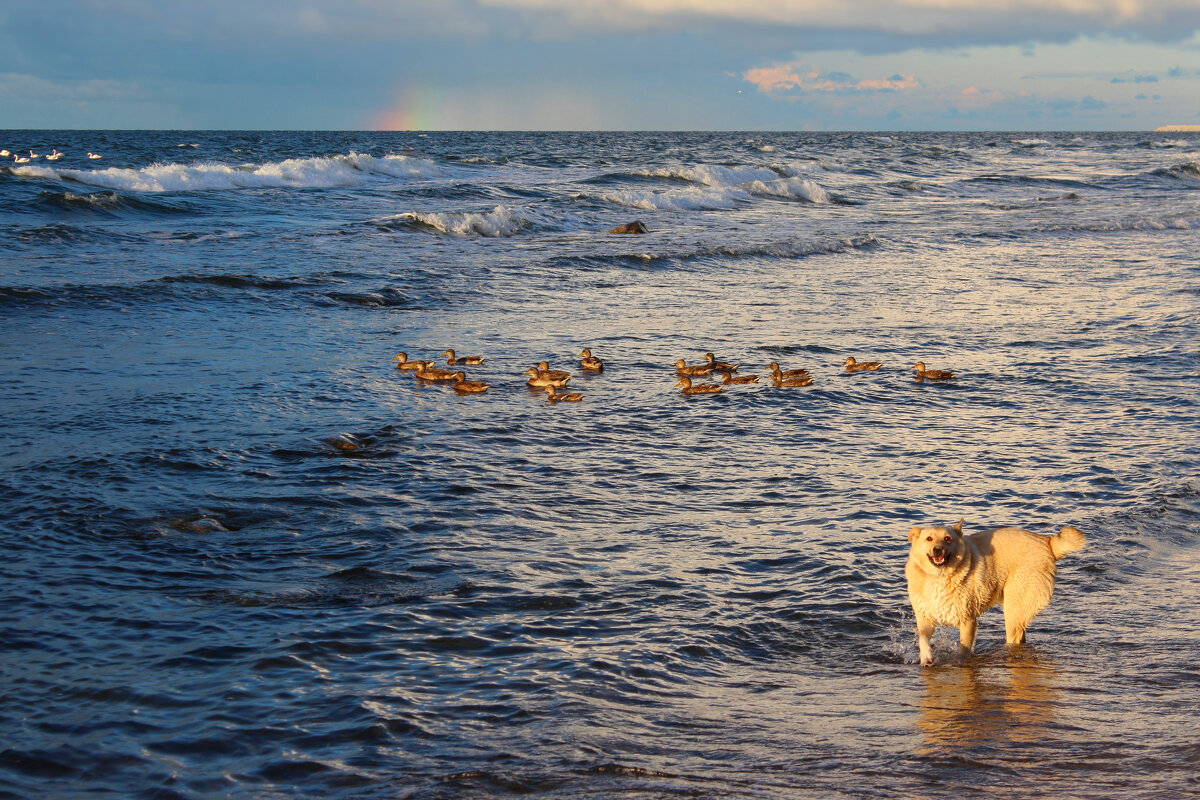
(1178, 129)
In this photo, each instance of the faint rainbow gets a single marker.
(413, 108)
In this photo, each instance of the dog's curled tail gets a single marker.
(1067, 540)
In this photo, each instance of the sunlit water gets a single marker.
(637, 595)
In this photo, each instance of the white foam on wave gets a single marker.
(691, 199)
(791, 189)
(294, 173)
(500, 221)
(720, 197)
(712, 175)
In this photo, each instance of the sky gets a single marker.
(818, 65)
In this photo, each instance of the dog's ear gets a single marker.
(958, 527)
(914, 533)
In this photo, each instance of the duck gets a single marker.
(544, 371)
(453, 360)
(402, 362)
(464, 386)
(590, 363)
(731, 378)
(55, 156)
(428, 372)
(682, 368)
(774, 367)
(537, 380)
(19, 159)
(780, 378)
(786, 383)
(932, 374)
(853, 366)
(93, 156)
(700, 388)
(719, 366)
(554, 397)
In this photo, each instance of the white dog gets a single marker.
(953, 579)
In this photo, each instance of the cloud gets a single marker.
(25, 88)
(780, 78)
(949, 21)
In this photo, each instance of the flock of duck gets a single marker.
(53, 156)
(542, 378)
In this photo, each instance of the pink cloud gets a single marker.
(784, 77)
(895, 83)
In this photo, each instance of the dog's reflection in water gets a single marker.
(1006, 696)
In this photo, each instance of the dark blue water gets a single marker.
(637, 595)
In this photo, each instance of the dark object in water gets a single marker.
(631, 227)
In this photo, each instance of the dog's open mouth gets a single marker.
(938, 558)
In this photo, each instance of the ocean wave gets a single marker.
(107, 203)
(151, 291)
(691, 199)
(499, 222)
(1188, 170)
(713, 175)
(353, 169)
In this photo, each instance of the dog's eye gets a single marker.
(929, 538)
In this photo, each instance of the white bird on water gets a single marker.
(20, 159)
(33, 155)
(55, 156)
(93, 155)
(4, 154)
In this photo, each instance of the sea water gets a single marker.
(246, 557)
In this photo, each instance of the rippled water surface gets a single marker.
(246, 557)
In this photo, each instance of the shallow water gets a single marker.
(638, 595)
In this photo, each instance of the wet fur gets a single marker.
(1005, 566)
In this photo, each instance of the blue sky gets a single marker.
(601, 64)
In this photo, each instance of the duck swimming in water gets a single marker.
(464, 386)
(683, 368)
(774, 367)
(853, 366)
(782, 379)
(544, 371)
(469, 361)
(538, 380)
(931, 374)
(402, 362)
(700, 388)
(554, 397)
(719, 366)
(731, 378)
(590, 362)
(428, 372)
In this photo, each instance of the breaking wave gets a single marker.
(352, 169)
(498, 222)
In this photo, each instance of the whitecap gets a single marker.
(352, 169)
(498, 222)
(790, 188)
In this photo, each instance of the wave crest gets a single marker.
(352, 169)
(498, 222)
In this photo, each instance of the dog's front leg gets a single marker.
(925, 629)
(966, 637)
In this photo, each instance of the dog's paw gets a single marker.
(927, 662)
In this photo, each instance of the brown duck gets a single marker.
(464, 386)
(774, 367)
(590, 362)
(453, 360)
(932, 374)
(700, 388)
(683, 368)
(853, 366)
(554, 397)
